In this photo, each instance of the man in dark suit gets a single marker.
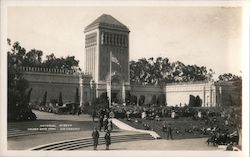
(95, 136)
(107, 139)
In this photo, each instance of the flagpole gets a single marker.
(110, 66)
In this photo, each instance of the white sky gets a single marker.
(209, 36)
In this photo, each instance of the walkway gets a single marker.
(186, 144)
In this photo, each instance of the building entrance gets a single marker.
(114, 97)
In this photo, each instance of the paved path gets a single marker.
(51, 123)
(20, 137)
(186, 144)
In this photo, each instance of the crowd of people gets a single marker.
(104, 119)
(220, 125)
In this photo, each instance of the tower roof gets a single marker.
(106, 21)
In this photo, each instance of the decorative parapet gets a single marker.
(189, 82)
(48, 70)
(172, 84)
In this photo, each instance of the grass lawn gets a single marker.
(178, 126)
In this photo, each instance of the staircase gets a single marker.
(88, 142)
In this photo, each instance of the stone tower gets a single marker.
(104, 36)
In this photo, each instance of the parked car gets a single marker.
(67, 108)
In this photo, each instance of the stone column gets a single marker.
(214, 96)
(166, 95)
(92, 90)
(123, 94)
(204, 96)
(211, 96)
(81, 89)
(220, 98)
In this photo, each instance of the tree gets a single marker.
(33, 58)
(60, 101)
(17, 85)
(229, 77)
(28, 96)
(160, 71)
(128, 97)
(192, 101)
(198, 101)
(43, 103)
(153, 100)
(141, 100)
(77, 96)
(133, 99)
(161, 99)
(68, 63)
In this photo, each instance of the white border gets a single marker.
(3, 85)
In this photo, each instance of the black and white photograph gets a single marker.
(118, 78)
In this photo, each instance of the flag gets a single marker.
(115, 60)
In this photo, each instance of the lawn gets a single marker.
(182, 128)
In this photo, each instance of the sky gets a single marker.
(205, 36)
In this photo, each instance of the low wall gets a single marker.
(178, 94)
(148, 91)
(53, 83)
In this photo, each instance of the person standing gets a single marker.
(169, 131)
(93, 114)
(95, 136)
(78, 110)
(110, 125)
(100, 122)
(105, 123)
(173, 114)
(111, 114)
(107, 139)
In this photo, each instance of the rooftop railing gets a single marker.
(50, 70)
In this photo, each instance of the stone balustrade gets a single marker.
(49, 70)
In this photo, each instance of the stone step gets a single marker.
(28, 133)
(61, 144)
(102, 141)
(87, 142)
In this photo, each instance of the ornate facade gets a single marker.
(105, 38)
